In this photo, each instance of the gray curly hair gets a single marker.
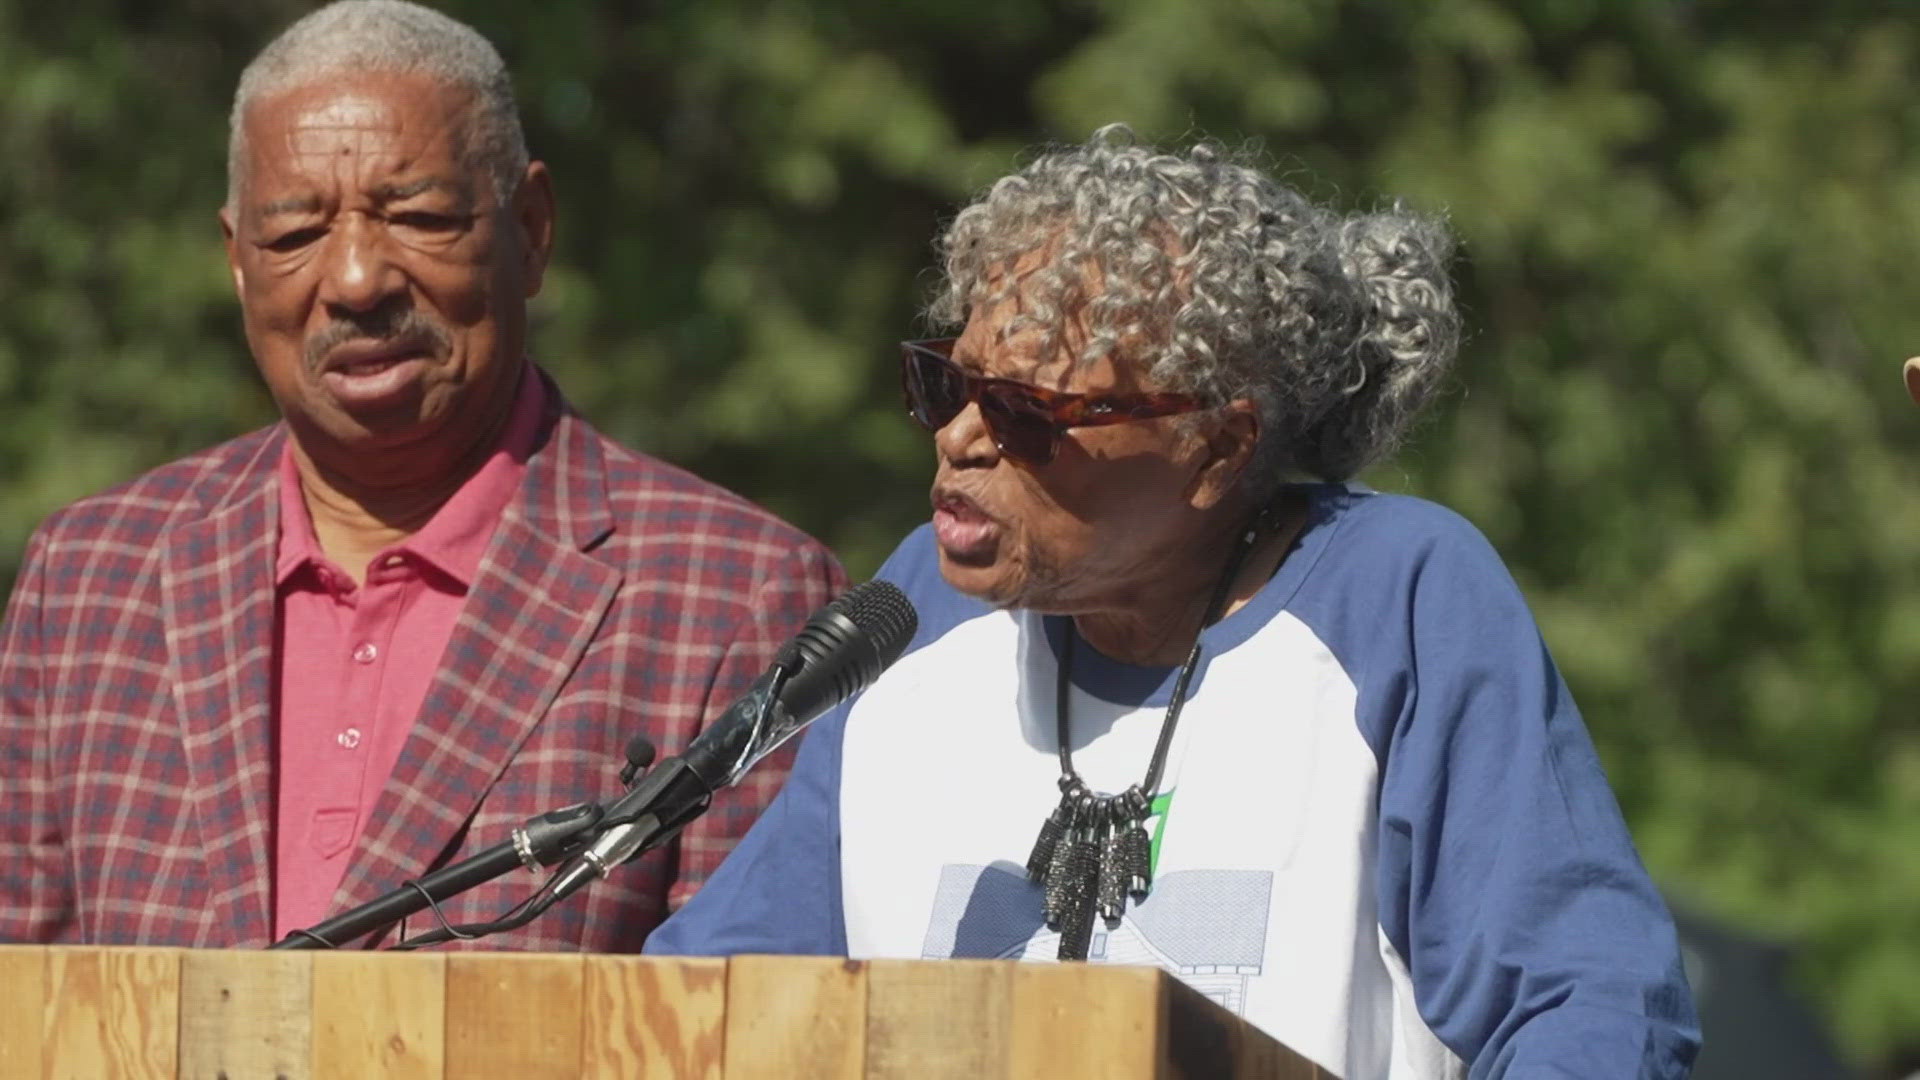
(390, 36)
(1222, 283)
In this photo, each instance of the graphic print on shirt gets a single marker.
(1207, 928)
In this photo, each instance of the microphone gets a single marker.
(840, 651)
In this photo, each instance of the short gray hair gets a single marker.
(390, 36)
(1224, 283)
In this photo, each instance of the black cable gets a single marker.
(517, 916)
(452, 931)
(311, 936)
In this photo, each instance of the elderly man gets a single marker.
(1913, 379)
(282, 676)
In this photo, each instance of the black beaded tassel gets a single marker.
(1081, 872)
(1063, 866)
(1115, 874)
(1051, 830)
(1138, 860)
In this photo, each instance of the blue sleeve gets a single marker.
(1536, 943)
(778, 892)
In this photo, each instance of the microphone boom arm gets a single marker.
(679, 789)
(842, 649)
(543, 840)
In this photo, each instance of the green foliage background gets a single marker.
(1691, 265)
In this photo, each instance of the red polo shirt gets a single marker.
(355, 662)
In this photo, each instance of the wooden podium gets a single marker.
(97, 1013)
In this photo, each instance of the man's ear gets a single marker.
(1231, 438)
(533, 214)
(229, 235)
(1913, 379)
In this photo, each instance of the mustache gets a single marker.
(403, 328)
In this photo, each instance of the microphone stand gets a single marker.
(554, 835)
(660, 803)
(593, 839)
(652, 812)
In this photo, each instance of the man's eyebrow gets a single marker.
(299, 204)
(397, 192)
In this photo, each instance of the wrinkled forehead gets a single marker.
(1030, 307)
(353, 116)
(1041, 265)
(348, 123)
(1048, 310)
(1086, 251)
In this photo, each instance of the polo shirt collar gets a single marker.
(455, 539)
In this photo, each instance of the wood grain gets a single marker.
(117, 1012)
(1262, 1057)
(938, 1021)
(513, 1017)
(1203, 1041)
(662, 1017)
(111, 1012)
(23, 1009)
(795, 1018)
(379, 1014)
(246, 1014)
(1085, 1020)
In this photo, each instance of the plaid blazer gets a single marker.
(619, 595)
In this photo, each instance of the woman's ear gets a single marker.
(1231, 438)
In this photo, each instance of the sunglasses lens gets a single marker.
(1021, 429)
(936, 392)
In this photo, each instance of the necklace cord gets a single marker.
(1215, 606)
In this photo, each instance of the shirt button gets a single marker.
(348, 739)
(365, 653)
(391, 561)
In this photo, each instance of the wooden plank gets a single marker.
(655, 1016)
(111, 1012)
(379, 1014)
(938, 1020)
(1203, 1041)
(513, 1016)
(246, 1014)
(1262, 1057)
(23, 1009)
(136, 1012)
(1086, 1020)
(796, 1018)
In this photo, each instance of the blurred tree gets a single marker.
(1692, 250)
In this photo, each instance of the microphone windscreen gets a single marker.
(845, 646)
(884, 612)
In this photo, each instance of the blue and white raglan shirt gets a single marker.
(1382, 834)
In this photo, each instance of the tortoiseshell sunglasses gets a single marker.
(1025, 421)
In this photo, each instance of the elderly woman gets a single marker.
(1181, 695)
